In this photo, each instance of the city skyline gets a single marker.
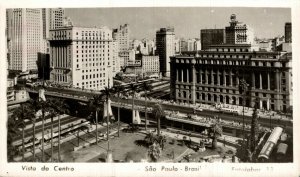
(142, 24)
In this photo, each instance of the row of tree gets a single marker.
(54, 107)
(29, 112)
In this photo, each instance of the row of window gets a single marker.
(92, 76)
(238, 63)
(89, 33)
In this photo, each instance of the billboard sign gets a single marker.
(134, 63)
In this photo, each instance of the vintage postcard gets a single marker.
(149, 89)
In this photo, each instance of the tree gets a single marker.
(60, 107)
(119, 89)
(154, 152)
(215, 132)
(95, 104)
(158, 113)
(146, 87)
(149, 138)
(254, 130)
(33, 120)
(20, 115)
(12, 131)
(161, 141)
(42, 105)
(52, 113)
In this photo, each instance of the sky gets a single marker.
(187, 21)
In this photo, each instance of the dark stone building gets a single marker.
(43, 64)
(213, 76)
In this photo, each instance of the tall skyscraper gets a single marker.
(211, 37)
(121, 35)
(81, 57)
(26, 34)
(165, 49)
(53, 18)
(288, 32)
(238, 33)
(116, 59)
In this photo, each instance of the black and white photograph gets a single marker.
(149, 85)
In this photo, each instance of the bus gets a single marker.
(270, 144)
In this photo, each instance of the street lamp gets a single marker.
(243, 87)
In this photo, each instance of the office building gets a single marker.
(26, 38)
(125, 56)
(276, 42)
(238, 33)
(122, 35)
(211, 37)
(288, 32)
(116, 59)
(53, 18)
(81, 57)
(147, 47)
(213, 76)
(150, 64)
(165, 49)
(43, 64)
(265, 45)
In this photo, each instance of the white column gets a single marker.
(268, 80)
(187, 75)
(224, 77)
(260, 81)
(260, 104)
(230, 77)
(200, 75)
(206, 76)
(218, 77)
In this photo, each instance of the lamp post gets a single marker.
(243, 90)
(270, 123)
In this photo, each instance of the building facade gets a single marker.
(165, 49)
(53, 18)
(288, 32)
(116, 59)
(211, 37)
(150, 64)
(238, 33)
(125, 56)
(81, 57)
(147, 47)
(213, 76)
(277, 41)
(26, 38)
(122, 35)
(43, 64)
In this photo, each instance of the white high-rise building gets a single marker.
(116, 59)
(26, 34)
(122, 36)
(81, 57)
(53, 18)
